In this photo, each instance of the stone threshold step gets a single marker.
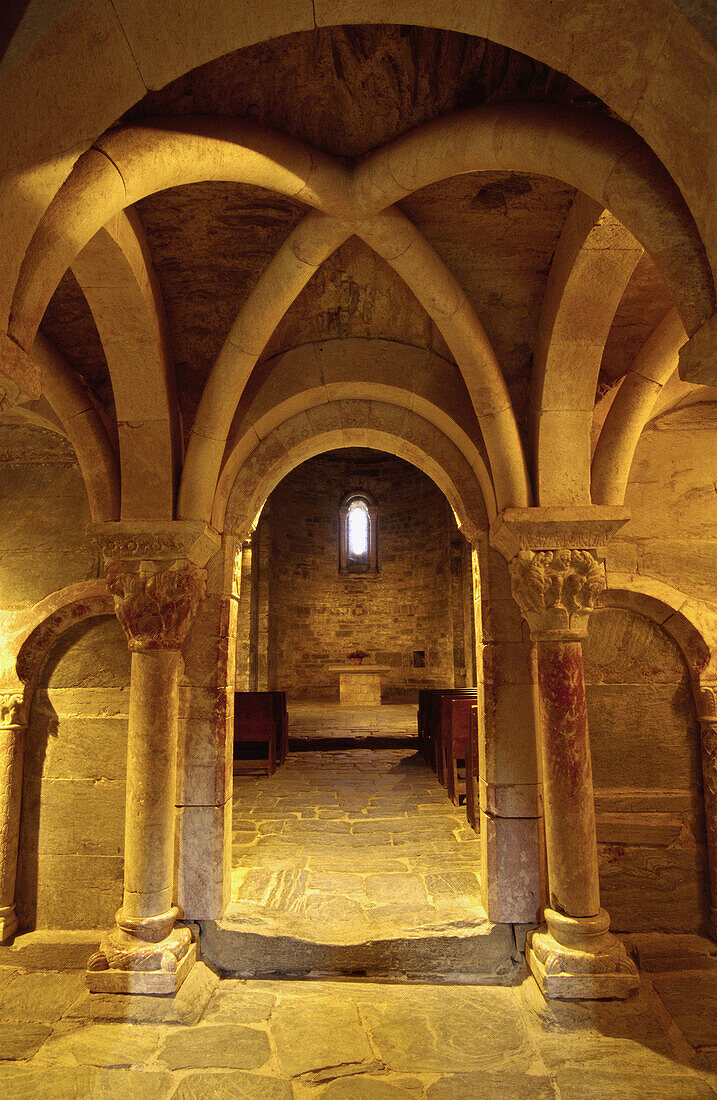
(484, 954)
(330, 744)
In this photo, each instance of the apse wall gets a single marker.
(308, 616)
(645, 743)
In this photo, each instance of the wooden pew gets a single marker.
(472, 774)
(455, 746)
(260, 731)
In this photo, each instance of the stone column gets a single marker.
(13, 723)
(576, 956)
(707, 704)
(156, 596)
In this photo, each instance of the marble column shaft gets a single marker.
(575, 957)
(568, 799)
(12, 745)
(707, 701)
(151, 780)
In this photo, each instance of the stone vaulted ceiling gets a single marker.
(347, 90)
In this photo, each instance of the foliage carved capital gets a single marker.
(13, 712)
(156, 610)
(556, 590)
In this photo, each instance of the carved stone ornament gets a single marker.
(154, 956)
(122, 542)
(556, 590)
(13, 712)
(577, 958)
(707, 704)
(155, 610)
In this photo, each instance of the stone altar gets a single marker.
(359, 685)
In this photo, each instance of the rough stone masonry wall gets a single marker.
(72, 827)
(316, 616)
(71, 841)
(43, 544)
(645, 744)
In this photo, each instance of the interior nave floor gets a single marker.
(359, 849)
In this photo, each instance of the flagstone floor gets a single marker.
(359, 844)
(278, 1040)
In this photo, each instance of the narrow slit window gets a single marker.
(358, 523)
(358, 529)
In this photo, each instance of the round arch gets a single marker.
(341, 424)
(361, 369)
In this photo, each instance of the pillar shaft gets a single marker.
(12, 738)
(156, 598)
(575, 956)
(708, 722)
(569, 803)
(151, 778)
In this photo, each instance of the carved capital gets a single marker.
(707, 704)
(556, 590)
(13, 712)
(155, 610)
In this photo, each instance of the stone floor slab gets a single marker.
(478, 1029)
(492, 1086)
(577, 1084)
(320, 1038)
(41, 996)
(82, 1083)
(232, 1086)
(691, 1000)
(220, 1046)
(105, 1045)
(21, 1041)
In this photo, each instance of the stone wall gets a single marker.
(72, 829)
(648, 785)
(309, 616)
(43, 543)
(672, 534)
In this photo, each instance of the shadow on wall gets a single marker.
(72, 827)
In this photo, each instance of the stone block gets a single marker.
(510, 800)
(40, 997)
(219, 1046)
(510, 868)
(186, 1007)
(507, 752)
(204, 860)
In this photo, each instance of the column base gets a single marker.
(576, 958)
(8, 922)
(126, 963)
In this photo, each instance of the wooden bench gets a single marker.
(472, 773)
(455, 744)
(434, 724)
(261, 731)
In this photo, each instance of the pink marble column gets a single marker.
(13, 723)
(707, 703)
(575, 957)
(147, 951)
(569, 805)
